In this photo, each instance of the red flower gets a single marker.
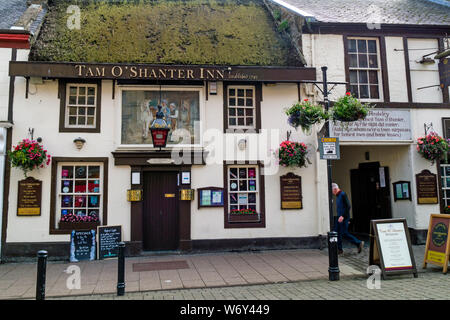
(348, 94)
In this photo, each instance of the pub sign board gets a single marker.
(437, 248)
(82, 245)
(291, 192)
(390, 247)
(427, 190)
(109, 238)
(329, 149)
(29, 197)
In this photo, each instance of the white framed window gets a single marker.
(445, 176)
(243, 188)
(79, 189)
(81, 106)
(241, 107)
(365, 68)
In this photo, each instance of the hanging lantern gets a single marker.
(160, 130)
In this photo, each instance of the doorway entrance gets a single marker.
(370, 196)
(161, 214)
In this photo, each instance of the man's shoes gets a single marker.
(361, 246)
(340, 251)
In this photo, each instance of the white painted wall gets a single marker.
(395, 57)
(5, 57)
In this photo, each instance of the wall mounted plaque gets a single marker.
(291, 191)
(29, 197)
(210, 197)
(427, 190)
(134, 195)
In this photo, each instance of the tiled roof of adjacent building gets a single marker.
(420, 12)
(10, 12)
(213, 32)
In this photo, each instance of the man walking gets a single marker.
(343, 217)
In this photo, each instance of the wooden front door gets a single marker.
(160, 218)
(370, 196)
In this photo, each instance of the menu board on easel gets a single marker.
(109, 238)
(437, 249)
(390, 247)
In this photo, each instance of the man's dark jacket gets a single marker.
(343, 205)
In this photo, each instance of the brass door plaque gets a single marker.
(134, 195)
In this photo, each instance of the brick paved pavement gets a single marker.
(432, 285)
(205, 270)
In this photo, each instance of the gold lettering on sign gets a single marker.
(162, 73)
(133, 72)
(117, 71)
(80, 68)
(190, 74)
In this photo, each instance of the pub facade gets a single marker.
(91, 92)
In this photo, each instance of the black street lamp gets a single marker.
(160, 130)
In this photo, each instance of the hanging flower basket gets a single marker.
(348, 109)
(292, 154)
(433, 147)
(28, 155)
(305, 115)
(243, 215)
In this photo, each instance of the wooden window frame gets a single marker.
(261, 196)
(62, 94)
(257, 107)
(56, 161)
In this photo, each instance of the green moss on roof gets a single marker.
(231, 32)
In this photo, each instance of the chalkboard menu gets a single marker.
(427, 190)
(109, 238)
(291, 191)
(437, 248)
(29, 197)
(82, 245)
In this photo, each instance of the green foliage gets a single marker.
(348, 108)
(277, 15)
(305, 115)
(163, 31)
(284, 25)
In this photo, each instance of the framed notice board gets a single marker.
(109, 238)
(438, 241)
(390, 247)
(291, 192)
(210, 197)
(29, 197)
(427, 190)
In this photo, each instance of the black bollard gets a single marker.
(121, 270)
(333, 269)
(41, 272)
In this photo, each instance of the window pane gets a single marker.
(73, 91)
(72, 120)
(448, 182)
(67, 172)
(232, 112)
(82, 91)
(252, 198)
(249, 102)
(374, 94)
(72, 100)
(232, 102)
(372, 46)
(353, 76)
(243, 185)
(233, 173)
(351, 45)
(80, 201)
(82, 120)
(353, 61)
(233, 185)
(363, 77)
(94, 186)
(93, 213)
(81, 100)
(249, 93)
(66, 211)
(240, 121)
(234, 208)
(252, 185)
(364, 92)
(362, 46)
(249, 122)
(66, 186)
(447, 193)
(80, 212)
(66, 201)
(249, 112)
(232, 122)
(251, 172)
(354, 91)
(81, 111)
(241, 93)
(242, 173)
(80, 186)
(80, 172)
(73, 111)
(373, 61)
(447, 171)
(233, 198)
(90, 121)
(362, 59)
(232, 92)
(373, 77)
(94, 201)
(91, 91)
(91, 100)
(241, 102)
(94, 172)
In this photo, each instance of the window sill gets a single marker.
(69, 226)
